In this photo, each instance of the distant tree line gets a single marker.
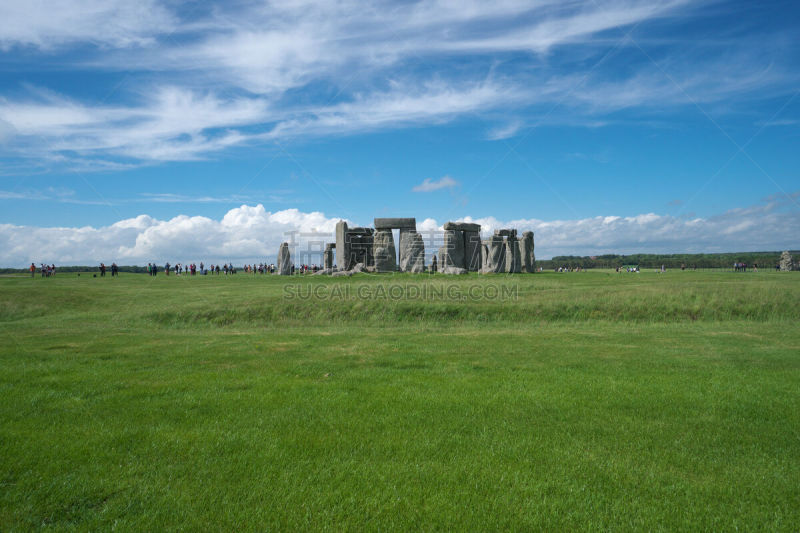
(721, 260)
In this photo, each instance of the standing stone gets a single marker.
(284, 260)
(495, 259)
(513, 259)
(412, 252)
(383, 251)
(361, 246)
(342, 246)
(786, 261)
(451, 254)
(526, 252)
(472, 250)
(327, 256)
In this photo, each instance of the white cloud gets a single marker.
(48, 23)
(303, 69)
(428, 185)
(250, 233)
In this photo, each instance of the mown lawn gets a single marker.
(575, 401)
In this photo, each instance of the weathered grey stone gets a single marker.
(495, 258)
(526, 252)
(353, 245)
(396, 223)
(412, 252)
(342, 246)
(341, 273)
(513, 263)
(506, 233)
(384, 252)
(323, 272)
(472, 250)
(284, 260)
(786, 261)
(452, 251)
(462, 226)
(454, 270)
(327, 256)
(359, 267)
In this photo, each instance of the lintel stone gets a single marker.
(462, 226)
(395, 223)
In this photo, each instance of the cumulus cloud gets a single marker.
(252, 234)
(429, 185)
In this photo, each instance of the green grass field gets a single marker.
(551, 401)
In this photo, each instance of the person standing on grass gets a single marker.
(33, 270)
(102, 270)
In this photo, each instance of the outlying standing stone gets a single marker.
(284, 260)
(786, 261)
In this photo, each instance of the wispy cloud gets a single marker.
(429, 185)
(294, 69)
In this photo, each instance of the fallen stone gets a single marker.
(341, 274)
(454, 270)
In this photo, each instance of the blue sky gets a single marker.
(132, 131)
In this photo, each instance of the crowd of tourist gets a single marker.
(46, 270)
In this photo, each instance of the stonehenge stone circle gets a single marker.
(284, 260)
(374, 250)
